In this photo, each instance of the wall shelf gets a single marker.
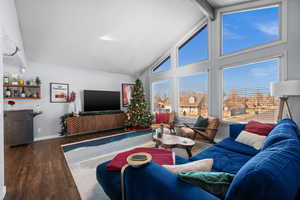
(35, 88)
(21, 98)
(27, 86)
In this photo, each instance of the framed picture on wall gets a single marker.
(59, 92)
(127, 90)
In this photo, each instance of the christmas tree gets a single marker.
(138, 114)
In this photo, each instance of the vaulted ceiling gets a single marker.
(223, 3)
(123, 36)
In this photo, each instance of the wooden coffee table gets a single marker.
(172, 141)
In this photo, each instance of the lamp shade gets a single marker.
(285, 88)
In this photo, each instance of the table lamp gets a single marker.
(283, 90)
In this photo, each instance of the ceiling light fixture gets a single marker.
(106, 38)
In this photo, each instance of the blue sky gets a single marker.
(247, 29)
(195, 50)
(195, 83)
(161, 89)
(251, 77)
(240, 30)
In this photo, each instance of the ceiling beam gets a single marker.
(206, 8)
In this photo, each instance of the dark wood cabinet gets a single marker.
(18, 127)
(94, 123)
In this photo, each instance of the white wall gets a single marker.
(47, 124)
(294, 52)
(2, 187)
(11, 28)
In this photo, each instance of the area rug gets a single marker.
(84, 157)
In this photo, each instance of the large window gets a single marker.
(164, 66)
(245, 29)
(246, 91)
(193, 95)
(161, 96)
(195, 49)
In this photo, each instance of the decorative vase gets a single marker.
(160, 131)
(72, 108)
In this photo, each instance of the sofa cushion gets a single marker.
(235, 129)
(230, 144)
(285, 129)
(259, 127)
(274, 172)
(111, 182)
(224, 160)
(204, 165)
(162, 118)
(216, 183)
(254, 140)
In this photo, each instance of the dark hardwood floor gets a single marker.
(39, 171)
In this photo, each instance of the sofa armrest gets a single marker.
(155, 182)
(235, 129)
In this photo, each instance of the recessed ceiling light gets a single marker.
(106, 38)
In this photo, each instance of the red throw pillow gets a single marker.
(160, 156)
(162, 118)
(259, 128)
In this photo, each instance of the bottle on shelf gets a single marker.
(7, 92)
(23, 94)
(6, 78)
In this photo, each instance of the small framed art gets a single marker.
(59, 92)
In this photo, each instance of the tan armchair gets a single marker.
(169, 124)
(208, 133)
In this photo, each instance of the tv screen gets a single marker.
(101, 100)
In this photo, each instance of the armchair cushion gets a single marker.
(201, 122)
(162, 118)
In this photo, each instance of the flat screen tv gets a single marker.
(95, 100)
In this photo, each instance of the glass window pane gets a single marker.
(164, 66)
(195, 49)
(161, 94)
(250, 28)
(247, 92)
(193, 96)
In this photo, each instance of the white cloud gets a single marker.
(231, 35)
(269, 28)
(261, 71)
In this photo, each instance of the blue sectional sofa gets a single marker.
(273, 173)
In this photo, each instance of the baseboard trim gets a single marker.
(2, 192)
(47, 137)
